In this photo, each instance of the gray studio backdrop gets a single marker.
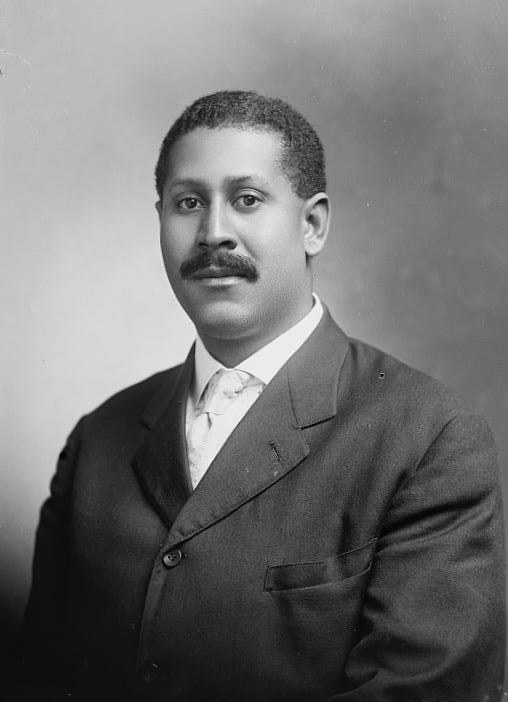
(411, 100)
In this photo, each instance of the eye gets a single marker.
(189, 203)
(247, 201)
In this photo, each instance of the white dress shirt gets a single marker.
(262, 366)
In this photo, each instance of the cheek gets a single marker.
(286, 247)
(281, 235)
(172, 263)
(173, 245)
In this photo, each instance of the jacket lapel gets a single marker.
(264, 446)
(314, 372)
(269, 441)
(161, 461)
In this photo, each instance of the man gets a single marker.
(290, 514)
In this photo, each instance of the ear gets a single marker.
(316, 213)
(158, 207)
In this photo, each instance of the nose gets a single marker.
(216, 228)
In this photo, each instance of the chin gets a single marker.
(223, 320)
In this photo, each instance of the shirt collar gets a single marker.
(267, 361)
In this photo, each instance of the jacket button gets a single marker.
(149, 672)
(172, 558)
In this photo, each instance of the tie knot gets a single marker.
(222, 389)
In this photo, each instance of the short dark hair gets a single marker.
(302, 155)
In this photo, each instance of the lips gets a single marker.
(216, 272)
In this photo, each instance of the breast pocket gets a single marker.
(312, 573)
(314, 612)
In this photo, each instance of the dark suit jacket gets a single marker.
(345, 544)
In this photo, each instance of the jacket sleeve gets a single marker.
(44, 647)
(433, 622)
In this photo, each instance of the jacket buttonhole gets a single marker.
(275, 453)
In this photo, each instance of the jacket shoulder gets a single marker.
(131, 401)
(415, 416)
(404, 391)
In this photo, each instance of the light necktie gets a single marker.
(223, 388)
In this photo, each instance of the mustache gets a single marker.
(234, 263)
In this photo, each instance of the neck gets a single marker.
(231, 353)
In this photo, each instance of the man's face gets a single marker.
(233, 235)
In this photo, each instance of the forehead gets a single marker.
(214, 155)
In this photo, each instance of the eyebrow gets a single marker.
(229, 182)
